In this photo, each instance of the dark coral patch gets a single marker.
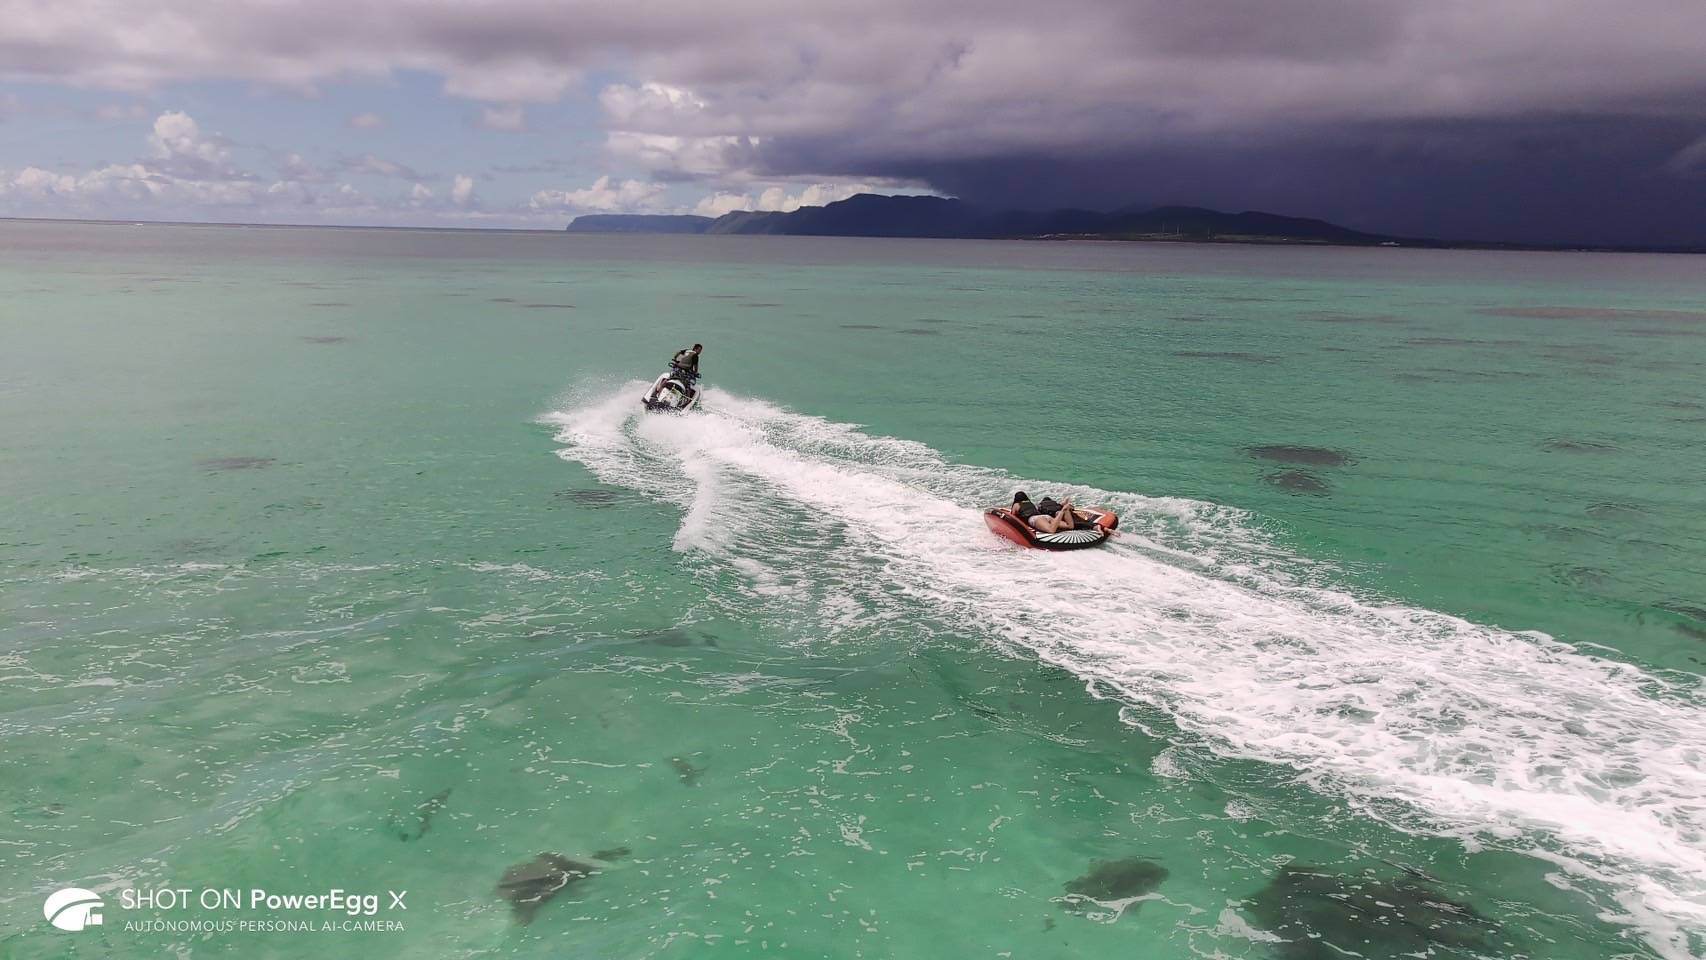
(1308, 456)
(1297, 481)
(686, 771)
(1116, 882)
(1322, 916)
(529, 886)
(680, 637)
(415, 824)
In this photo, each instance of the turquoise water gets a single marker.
(340, 558)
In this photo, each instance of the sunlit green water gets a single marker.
(342, 559)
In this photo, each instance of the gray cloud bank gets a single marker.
(1479, 118)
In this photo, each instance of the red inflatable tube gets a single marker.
(1005, 523)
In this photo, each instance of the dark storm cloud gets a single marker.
(1591, 180)
(1461, 117)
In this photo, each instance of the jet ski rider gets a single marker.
(686, 363)
(1047, 517)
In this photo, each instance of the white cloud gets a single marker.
(34, 183)
(291, 192)
(296, 167)
(126, 182)
(604, 196)
(789, 197)
(722, 202)
(348, 196)
(187, 172)
(378, 166)
(366, 121)
(712, 156)
(510, 118)
(649, 103)
(178, 141)
(462, 190)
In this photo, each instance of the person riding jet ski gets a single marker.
(686, 362)
(676, 391)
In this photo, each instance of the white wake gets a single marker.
(1210, 633)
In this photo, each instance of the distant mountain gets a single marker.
(871, 215)
(638, 223)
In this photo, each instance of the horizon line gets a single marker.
(1509, 246)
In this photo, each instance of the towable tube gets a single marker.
(1005, 523)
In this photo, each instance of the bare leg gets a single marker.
(1064, 520)
(1043, 523)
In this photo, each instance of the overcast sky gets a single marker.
(1552, 120)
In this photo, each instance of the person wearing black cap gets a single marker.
(686, 363)
(1039, 517)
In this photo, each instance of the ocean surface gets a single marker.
(346, 559)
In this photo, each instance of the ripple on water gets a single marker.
(236, 463)
(590, 497)
(1610, 510)
(1569, 445)
(1591, 313)
(1331, 317)
(1236, 355)
(1580, 577)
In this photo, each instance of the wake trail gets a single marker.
(1202, 626)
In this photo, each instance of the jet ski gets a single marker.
(1093, 525)
(672, 393)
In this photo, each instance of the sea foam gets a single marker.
(1214, 636)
